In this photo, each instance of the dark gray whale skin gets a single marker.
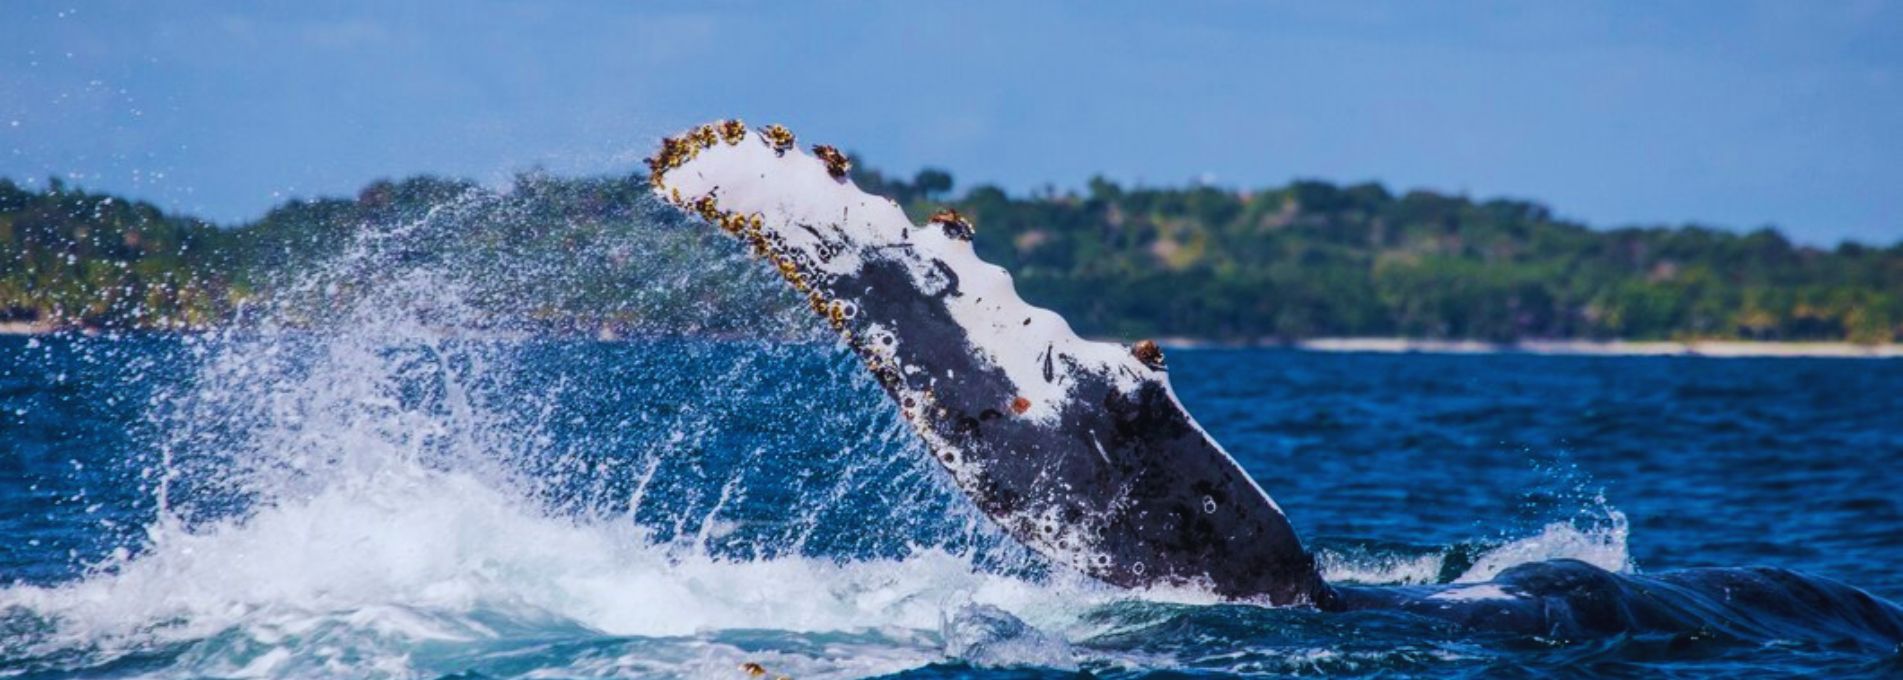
(1573, 600)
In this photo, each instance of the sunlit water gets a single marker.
(374, 477)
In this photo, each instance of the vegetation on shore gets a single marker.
(1309, 259)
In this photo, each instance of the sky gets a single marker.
(1736, 114)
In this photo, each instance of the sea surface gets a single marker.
(535, 508)
(375, 478)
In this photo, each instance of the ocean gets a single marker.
(375, 478)
(304, 506)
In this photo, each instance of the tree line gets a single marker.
(1308, 259)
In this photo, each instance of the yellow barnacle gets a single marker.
(733, 131)
(733, 223)
(672, 154)
(954, 224)
(706, 136)
(708, 208)
(837, 164)
(778, 137)
(1147, 352)
(674, 194)
(673, 149)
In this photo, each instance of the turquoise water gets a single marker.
(388, 482)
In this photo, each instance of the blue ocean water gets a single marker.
(347, 504)
(376, 473)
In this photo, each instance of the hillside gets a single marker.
(1305, 260)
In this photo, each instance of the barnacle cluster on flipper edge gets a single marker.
(838, 313)
(677, 151)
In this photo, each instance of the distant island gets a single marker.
(1296, 263)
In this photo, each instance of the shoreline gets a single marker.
(1723, 349)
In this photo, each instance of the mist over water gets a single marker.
(389, 467)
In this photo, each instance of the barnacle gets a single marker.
(778, 137)
(706, 136)
(733, 223)
(1147, 352)
(709, 209)
(954, 224)
(837, 164)
(733, 131)
(674, 151)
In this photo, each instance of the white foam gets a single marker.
(1485, 591)
(437, 556)
(1603, 547)
(1380, 569)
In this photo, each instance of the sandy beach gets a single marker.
(24, 328)
(1703, 348)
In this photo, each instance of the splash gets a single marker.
(400, 463)
(381, 453)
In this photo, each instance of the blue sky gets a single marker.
(1738, 114)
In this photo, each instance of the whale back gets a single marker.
(1078, 449)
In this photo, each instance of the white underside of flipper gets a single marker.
(794, 188)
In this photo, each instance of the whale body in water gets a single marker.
(1081, 450)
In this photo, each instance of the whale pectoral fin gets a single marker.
(1079, 449)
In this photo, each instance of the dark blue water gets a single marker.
(402, 502)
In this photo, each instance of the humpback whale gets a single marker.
(1081, 450)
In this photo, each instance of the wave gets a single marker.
(422, 572)
(1598, 543)
(440, 558)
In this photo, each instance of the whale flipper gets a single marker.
(1078, 449)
